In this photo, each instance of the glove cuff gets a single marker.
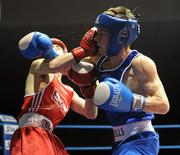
(88, 91)
(79, 53)
(138, 103)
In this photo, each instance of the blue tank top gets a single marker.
(120, 118)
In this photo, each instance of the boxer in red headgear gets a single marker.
(46, 103)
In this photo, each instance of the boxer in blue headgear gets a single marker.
(122, 31)
(130, 90)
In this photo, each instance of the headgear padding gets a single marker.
(122, 32)
(60, 43)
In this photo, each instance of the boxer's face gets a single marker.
(102, 39)
(58, 49)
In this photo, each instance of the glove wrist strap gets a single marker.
(78, 53)
(138, 103)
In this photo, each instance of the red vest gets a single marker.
(53, 102)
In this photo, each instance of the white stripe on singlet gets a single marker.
(36, 101)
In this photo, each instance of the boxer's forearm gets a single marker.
(62, 62)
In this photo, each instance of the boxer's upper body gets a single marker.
(47, 100)
(138, 75)
(40, 75)
(132, 89)
(130, 79)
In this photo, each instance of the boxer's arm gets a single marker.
(146, 72)
(33, 79)
(62, 62)
(84, 107)
(30, 83)
(87, 47)
(41, 66)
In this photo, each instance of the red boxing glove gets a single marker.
(88, 91)
(83, 75)
(88, 45)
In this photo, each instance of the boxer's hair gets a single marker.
(120, 12)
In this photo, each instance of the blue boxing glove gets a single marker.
(113, 95)
(35, 45)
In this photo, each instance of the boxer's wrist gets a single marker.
(138, 103)
(88, 91)
(79, 53)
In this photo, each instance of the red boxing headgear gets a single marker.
(60, 43)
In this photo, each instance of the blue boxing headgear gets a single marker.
(122, 32)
